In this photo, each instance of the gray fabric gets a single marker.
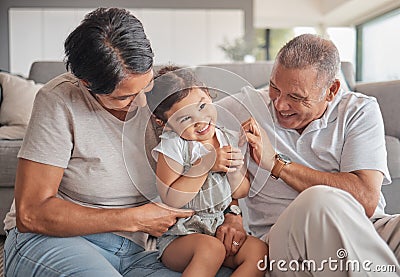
(321, 146)
(349, 74)
(325, 223)
(42, 72)
(209, 203)
(392, 196)
(8, 161)
(1, 95)
(6, 198)
(387, 94)
(257, 73)
(70, 129)
(393, 149)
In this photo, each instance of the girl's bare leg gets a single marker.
(246, 259)
(195, 255)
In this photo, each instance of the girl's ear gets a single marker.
(159, 122)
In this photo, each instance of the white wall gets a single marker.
(186, 37)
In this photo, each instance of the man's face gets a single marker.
(296, 96)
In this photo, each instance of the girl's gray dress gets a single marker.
(213, 197)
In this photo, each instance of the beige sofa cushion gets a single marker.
(16, 107)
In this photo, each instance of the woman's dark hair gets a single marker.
(109, 44)
(171, 85)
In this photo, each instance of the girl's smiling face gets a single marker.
(193, 117)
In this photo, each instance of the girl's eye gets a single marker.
(202, 106)
(185, 119)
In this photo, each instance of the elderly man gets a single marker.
(317, 198)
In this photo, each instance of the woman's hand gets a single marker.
(156, 218)
(261, 149)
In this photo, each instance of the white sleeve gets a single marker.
(170, 146)
(364, 146)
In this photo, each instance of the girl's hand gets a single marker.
(261, 149)
(226, 159)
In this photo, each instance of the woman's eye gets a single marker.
(202, 106)
(185, 119)
(121, 98)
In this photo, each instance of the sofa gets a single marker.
(257, 74)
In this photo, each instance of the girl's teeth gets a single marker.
(202, 130)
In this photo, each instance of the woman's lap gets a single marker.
(28, 254)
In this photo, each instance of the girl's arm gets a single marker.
(175, 189)
(239, 182)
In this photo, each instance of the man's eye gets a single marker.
(295, 98)
(273, 87)
(202, 106)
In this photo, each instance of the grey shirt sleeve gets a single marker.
(48, 138)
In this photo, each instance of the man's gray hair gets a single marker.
(310, 50)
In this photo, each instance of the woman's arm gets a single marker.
(39, 210)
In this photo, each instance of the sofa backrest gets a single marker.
(44, 71)
(388, 95)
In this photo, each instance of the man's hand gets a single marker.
(232, 234)
(261, 149)
(156, 218)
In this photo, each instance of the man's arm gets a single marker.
(363, 185)
(232, 230)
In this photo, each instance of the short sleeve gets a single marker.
(364, 146)
(48, 138)
(172, 146)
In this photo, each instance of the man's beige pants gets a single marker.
(325, 232)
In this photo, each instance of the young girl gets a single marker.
(199, 167)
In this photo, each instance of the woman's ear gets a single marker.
(85, 83)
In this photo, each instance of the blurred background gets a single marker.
(192, 32)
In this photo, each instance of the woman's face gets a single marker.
(131, 89)
(194, 117)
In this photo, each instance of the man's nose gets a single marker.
(281, 103)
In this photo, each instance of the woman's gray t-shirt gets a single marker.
(107, 161)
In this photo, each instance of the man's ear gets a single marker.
(333, 90)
